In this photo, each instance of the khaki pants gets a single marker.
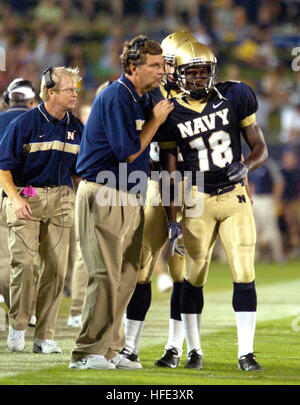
(4, 252)
(5, 258)
(46, 235)
(78, 270)
(230, 216)
(110, 240)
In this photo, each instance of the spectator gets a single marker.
(267, 184)
(291, 201)
(293, 127)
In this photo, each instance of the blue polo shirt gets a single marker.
(112, 134)
(7, 116)
(40, 150)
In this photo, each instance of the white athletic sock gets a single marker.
(176, 335)
(133, 331)
(245, 323)
(191, 326)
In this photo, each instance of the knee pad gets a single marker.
(191, 299)
(139, 303)
(244, 297)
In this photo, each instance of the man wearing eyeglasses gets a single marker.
(38, 154)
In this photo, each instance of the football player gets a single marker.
(153, 242)
(206, 124)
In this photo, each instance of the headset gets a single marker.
(134, 53)
(49, 82)
(14, 85)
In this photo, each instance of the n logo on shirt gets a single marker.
(71, 135)
(139, 124)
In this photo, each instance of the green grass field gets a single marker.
(277, 343)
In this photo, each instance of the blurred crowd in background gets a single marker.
(253, 42)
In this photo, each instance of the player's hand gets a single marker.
(21, 208)
(236, 171)
(175, 234)
(162, 110)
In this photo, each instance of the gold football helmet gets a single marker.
(174, 41)
(195, 54)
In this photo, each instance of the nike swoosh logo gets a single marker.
(217, 105)
(41, 136)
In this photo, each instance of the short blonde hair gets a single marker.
(57, 74)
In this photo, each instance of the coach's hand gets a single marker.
(236, 171)
(21, 208)
(175, 234)
(162, 110)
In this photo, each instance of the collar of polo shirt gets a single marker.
(49, 117)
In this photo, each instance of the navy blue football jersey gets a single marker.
(163, 92)
(208, 132)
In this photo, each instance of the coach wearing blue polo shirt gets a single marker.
(111, 234)
(37, 161)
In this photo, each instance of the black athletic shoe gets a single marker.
(128, 355)
(248, 363)
(170, 359)
(194, 360)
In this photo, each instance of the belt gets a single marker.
(225, 190)
(48, 187)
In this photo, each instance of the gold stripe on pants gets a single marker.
(110, 241)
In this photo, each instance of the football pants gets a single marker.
(230, 216)
(155, 236)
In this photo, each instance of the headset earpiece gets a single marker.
(134, 53)
(48, 78)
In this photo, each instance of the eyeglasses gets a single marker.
(70, 91)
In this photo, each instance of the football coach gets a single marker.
(37, 163)
(119, 129)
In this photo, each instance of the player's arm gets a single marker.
(246, 105)
(20, 207)
(159, 114)
(254, 137)
(259, 153)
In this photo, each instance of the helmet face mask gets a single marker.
(196, 77)
(169, 76)
(196, 69)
